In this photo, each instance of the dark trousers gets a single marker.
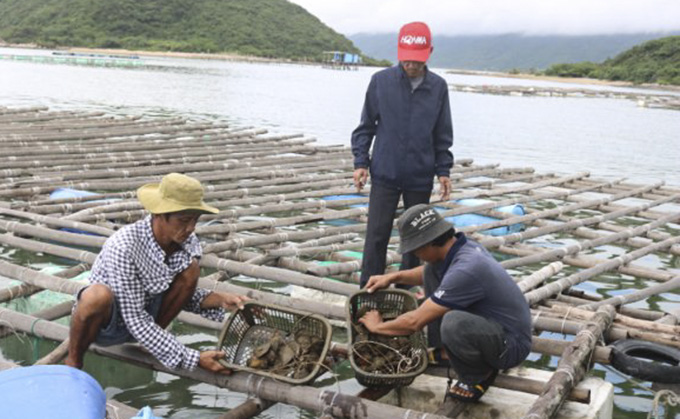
(475, 345)
(382, 207)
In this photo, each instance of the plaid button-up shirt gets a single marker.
(136, 269)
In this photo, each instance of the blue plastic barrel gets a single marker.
(466, 220)
(50, 391)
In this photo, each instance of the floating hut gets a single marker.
(289, 215)
(341, 60)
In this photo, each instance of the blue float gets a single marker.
(466, 220)
(50, 391)
(61, 193)
(344, 222)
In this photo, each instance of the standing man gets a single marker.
(407, 111)
(145, 275)
(474, 310)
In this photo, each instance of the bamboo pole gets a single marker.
(233, 167)
(54, 235)
(573, 327)
(57, 222)
(574, 248)
(16, 111)
(25, 290)
(50, 313)
(248, 409)
(572, 367)
(491, 242)
(74, 166)
(620, 320)
(98, 133)
(630, 312)
(56, 356)
(276, 274)
(318, 400)
(669, 286)
(268, 172)
(222, 191)
(40, 247)
(581, 261)
(558, 286)
(517, 383)
(531, 281)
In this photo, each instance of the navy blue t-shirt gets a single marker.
(473, 281)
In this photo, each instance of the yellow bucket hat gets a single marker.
(176, 192)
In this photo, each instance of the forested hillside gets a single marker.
(656, 61)
(268, 28)
(509, 51)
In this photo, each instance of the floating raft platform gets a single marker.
(282, 225)
(646, 100)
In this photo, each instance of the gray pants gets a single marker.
(475, 345)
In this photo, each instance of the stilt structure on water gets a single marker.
(289, 214)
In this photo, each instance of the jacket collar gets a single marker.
(426, 77)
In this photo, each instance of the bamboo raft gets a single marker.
(649, 100)
(275, 227)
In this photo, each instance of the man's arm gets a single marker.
(362, 136)
(405, 324)
(443, 139)
(412, 276)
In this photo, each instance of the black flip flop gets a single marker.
(477, 390)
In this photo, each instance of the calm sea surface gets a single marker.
(610, 138)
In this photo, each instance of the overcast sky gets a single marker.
(453, 17)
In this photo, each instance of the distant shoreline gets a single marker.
(165, 54)
(573, 80)
(255, 59)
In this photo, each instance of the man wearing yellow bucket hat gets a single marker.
(146, 273)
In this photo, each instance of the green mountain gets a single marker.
(266, 28)
(509, 51)
(656, 61)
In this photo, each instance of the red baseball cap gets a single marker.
(415, 42)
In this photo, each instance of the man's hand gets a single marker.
(445, 187)
(378, 282)
(371, 320)
(233, 301)
(224, 300)
(208, 361)
(360, 178)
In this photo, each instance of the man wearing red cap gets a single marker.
(407, 111)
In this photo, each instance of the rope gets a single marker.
(249, 393)
(663, 397)
(564, 320)
(33, 326)
(114, 411)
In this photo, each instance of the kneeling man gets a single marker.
(145, 275)
(474, 309)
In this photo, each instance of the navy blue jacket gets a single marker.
(412, 129)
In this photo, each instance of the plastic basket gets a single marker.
(256, 324)
(391, 303)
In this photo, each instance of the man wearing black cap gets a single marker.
(407, 111)
(474, 309)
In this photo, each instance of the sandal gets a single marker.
(471, 392)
